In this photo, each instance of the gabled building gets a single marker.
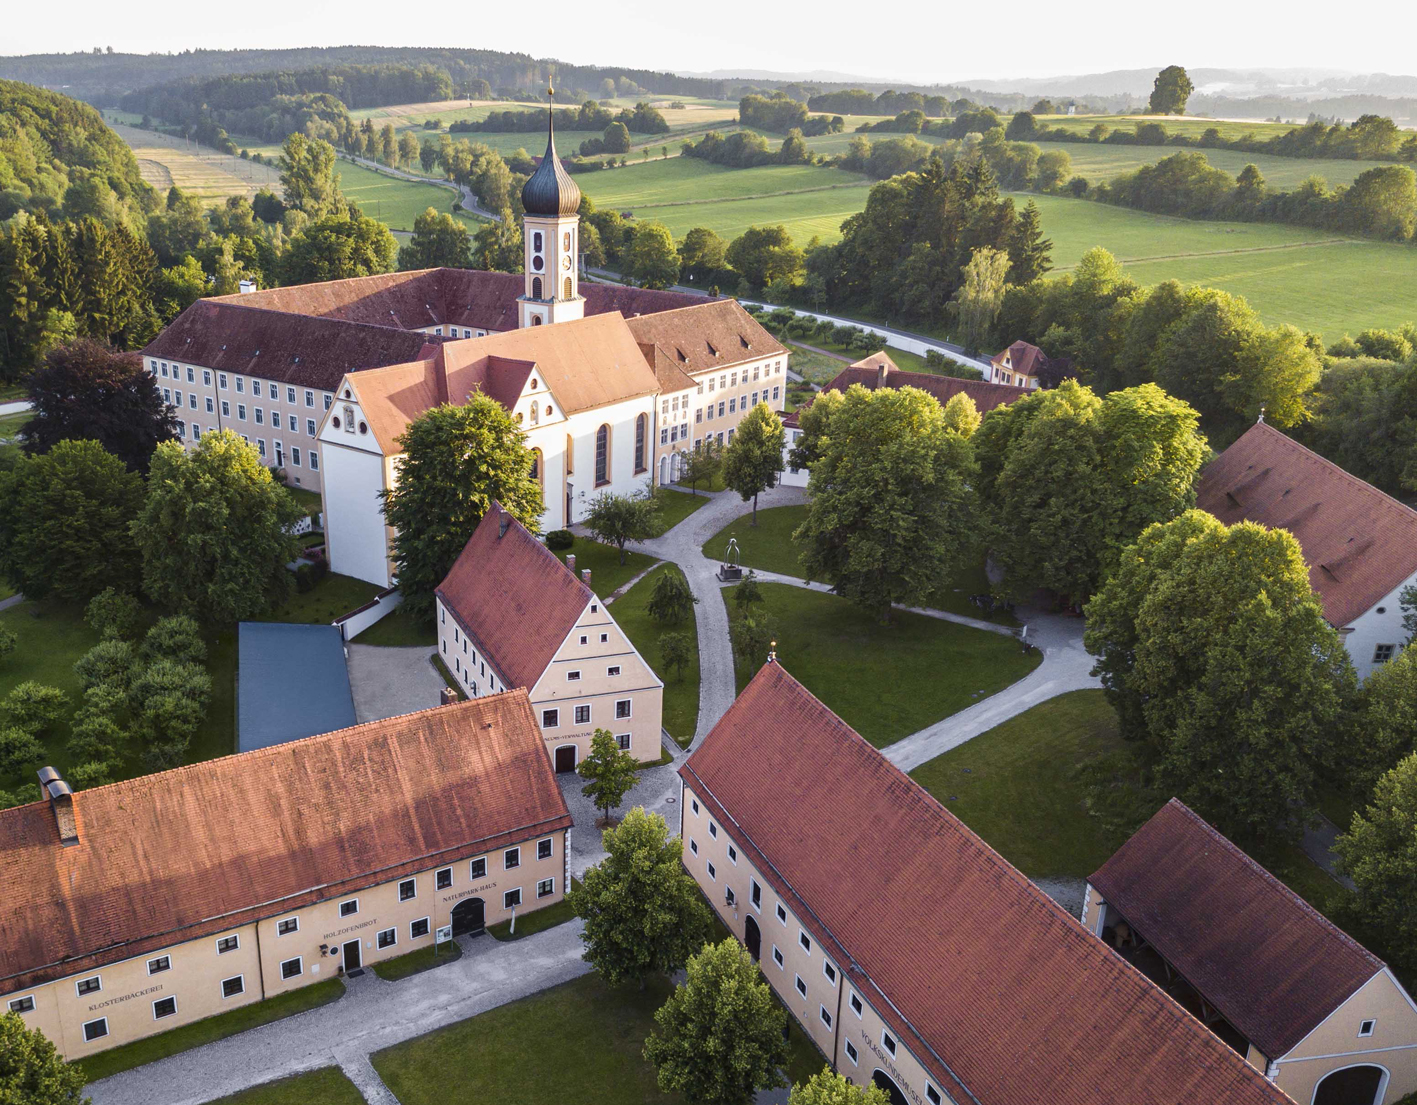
(1319, 1014)
(1026, 366)
(1360, 544)
(910, 951)
(510, 614)
(133, 908)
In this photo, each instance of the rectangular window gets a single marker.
(852, 1053)
(613, 669)
(550, 719)
(477, 869)
(95, 1030)
(295, 456)
(291, 968)
(694, 805)
(829, 971)
(624, 741)
(604, 638)
(755, 894)
(732, 405)
(418, 929)
(314, 460)
(856, 1005)
(888, 1042)
(241, 385)
(1366, 1028)
(932, 1095)
(712, 873)
(22, 1005)
(231, 987)
(573, 676)
(801, 986)
(191, 400)
(1383, 653)
(826, 1017)
(225, 409)
(545, 888)
(290, 395)
(310, 426)
(221, 380)
(776, 392)
(260, 416)
(622, 708)
(210, 407)
(713, 830)
(444, 878)
(805, 941)
(777, 955)
(328, 400)
(729, 896)
(387, 938)
(512, 898)
(511, 859)
(733, 855)
(781, 913)
(294, 424)
(256, 388)
(349, 908)
(160, 964)
(309, 398)
(241, 411)
(407, 889)
(694, 846)
(582, 715)
(227, 944)
(543, 848)
(721, 407)
(288, 925)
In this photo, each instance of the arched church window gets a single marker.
(602, 455)
(640, 425)
(536, 287)
(567, 292)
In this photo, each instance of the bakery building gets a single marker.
(910, 952)
(137, 907)
(1301, 1000)
(511, 614)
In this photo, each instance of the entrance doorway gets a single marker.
(566, 758)
(351, 956)
(753, 938)
(1362, 1085)
(887, 1083)
(468, 917)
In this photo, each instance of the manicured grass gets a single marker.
(416, 962)
(448, 677)
(399, 630)
(153, 1048)
(217, 735)
(11, 424)
(681, 692)
(332, 596)
(675, 506)
(326, 1086)
(768, 545)
(607, 574)
(886, 682)
(715, 484)
(583, 1040)
(538, 920)
(688, 180)
(309, 500)
(10, 393)
(819, 368)
(396, 202)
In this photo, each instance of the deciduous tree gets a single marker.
(213, 531)
(339, 247)
(1386, 726)
(721, 1036)
(308, 177)
(981, 293)
(961, 415)
(32, 1071)
(1379, 853)
(643, 913)
(671, 601)
(651, 259)
(701, 464)
(618, 519)
(609, 772)
(456, 461)
(1170, 92)
(439, 241)
(676, 651)
(762, 254)
(826, 1087)
(752, 462)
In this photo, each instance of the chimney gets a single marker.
(447, 697)
(504, 523)
(61, 801)
(571, 562)
(881, 371)
(246, 287)
(585, 576)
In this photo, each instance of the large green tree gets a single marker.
(893, 512)
(1170, 91)
(618, 519)
(651, 259)
(762, 254)
(455, 462)
(86, 390)
(32, 1072)
(609, 772)
(643, 914)
(1386, 727)
(721, 1036)
(308, 177)
(213, 531)
(339, 247)
(829, 1088)
(981, 292)
(64, 518)
(1379, 853)
(1068, 480)
(1215, 652)
(752, 462)
(439, 241)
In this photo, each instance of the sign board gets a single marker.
(444, 933)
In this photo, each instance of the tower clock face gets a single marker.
(566, 263)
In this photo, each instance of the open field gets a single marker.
(164, 160)
(1190, 125)
(679, 181)
(395, 202)
(1103, 162)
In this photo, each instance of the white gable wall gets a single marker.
(1365, 633)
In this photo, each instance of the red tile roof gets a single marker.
(1359, 543)
(203, 849)
(234, 337)
(514, 598)
(1025, 359)
(1256, 951)
(988, 982)
(706, 334)
(986, 396)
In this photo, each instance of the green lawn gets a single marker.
(192, 1035)
(607, 574)
(416, 962)
(399, 630)
(1020, 787)
(394, 202)
(538, 920)
(10, 393)
(11, 424)
(886, 682)
(816, 367)
(675, 506)
(681, 692)
(309, 501)
(326, 1086)
(687, 180)
(332, 596)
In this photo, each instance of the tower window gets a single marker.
(536, 287)
(567, 292)
(566, 241)
(536, 241)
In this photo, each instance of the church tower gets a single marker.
(550, 239)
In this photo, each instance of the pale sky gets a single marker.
(904, 40)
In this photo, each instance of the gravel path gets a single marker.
(388, 682)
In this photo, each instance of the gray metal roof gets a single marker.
(292, 683)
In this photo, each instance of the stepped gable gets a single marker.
(1359, 543)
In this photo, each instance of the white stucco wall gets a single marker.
(1364, 634)
(354, 517)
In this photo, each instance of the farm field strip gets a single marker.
(1099, 162)
(165, 160)
(394, 202)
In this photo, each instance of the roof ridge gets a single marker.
(231, 301)
(1324, 462)
(1270, 879)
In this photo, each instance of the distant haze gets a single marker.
(914, 41)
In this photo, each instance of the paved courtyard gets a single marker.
(388, 682)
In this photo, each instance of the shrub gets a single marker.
(111, 662)
(559, 540)
(96, 737)
(8, 641)
(113, 613)
(176, 638)
(34, 707)
(169, 702)
(19, 751)
(91, 773)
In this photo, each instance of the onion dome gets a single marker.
(550, 190)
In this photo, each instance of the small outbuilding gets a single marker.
(291, 683)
